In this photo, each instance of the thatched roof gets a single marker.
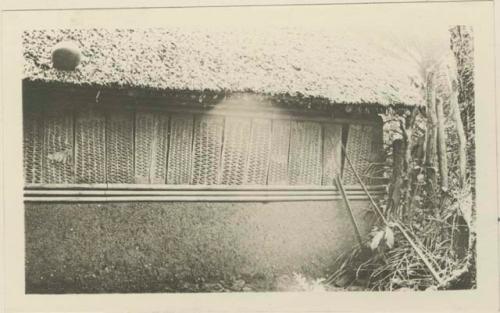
(339, 67)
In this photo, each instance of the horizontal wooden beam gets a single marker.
(191, 194)
(270, 113)
(188, 199)
(183, 192)
(195, 187)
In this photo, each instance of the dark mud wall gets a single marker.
(168, 247)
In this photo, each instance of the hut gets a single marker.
(170, 157)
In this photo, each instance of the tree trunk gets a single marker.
(397, 174)
(407, 175)
(431, 146)
(441, 147)
(408, 135)
(462, 45)
(462, 141)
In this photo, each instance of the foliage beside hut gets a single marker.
(432, 189)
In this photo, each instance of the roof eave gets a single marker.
(207, 97)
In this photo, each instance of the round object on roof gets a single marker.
(66, 56)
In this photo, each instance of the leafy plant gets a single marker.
(431, 195)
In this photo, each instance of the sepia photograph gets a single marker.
(274, 150)
(172, 160)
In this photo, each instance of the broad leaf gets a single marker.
(376, 239)
(389, 237)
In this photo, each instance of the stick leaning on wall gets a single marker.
(394, 224)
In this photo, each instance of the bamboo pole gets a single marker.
(192, 187)
(349, 210)
(375, 206)
(421, 255)
(62, 192)
(76, 198)
(389, 224)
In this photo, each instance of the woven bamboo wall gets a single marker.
(364, 150)
(99, 144)
(120, 147)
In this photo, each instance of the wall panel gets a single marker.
(58, 163)
(258, 153)
(207, 147)
(120, 146)
(33, 143)
(180, 150)
(278, 162)
(90, 145)
(332, 153)
(364, 149)
(151, 147)
(305, 153)
(235, 151)
(158, 172)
